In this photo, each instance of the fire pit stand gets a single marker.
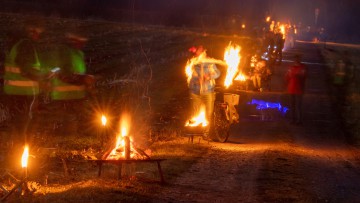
(191, 131)
(119, 163)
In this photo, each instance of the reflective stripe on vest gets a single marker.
(12, 69)
(22, 83)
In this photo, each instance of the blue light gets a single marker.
(261, 105)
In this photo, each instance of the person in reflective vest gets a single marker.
(69, 85)
(23, 72)
(22, 66)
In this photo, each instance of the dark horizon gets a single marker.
(335, 16)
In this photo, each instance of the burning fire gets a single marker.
(199, 119)
(124, 148)
(190, 63)
(25, 157)
(232, 59)
(202, 58)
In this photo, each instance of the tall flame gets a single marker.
(198, 119)
(25, 157)
(232, 58)
(118, 152)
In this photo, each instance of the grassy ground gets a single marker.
(140, 69)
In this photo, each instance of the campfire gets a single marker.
(124, 148)
(125, 151)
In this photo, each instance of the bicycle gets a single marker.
(224, 115)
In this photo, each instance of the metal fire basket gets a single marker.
(192, 131)
(119, 163)
(129, 160)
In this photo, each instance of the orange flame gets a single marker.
(199, 119)
(25, 157)
(268, 19)
(232, 58)
(202, 58)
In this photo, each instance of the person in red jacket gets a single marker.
(295, 77)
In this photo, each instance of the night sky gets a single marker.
(339, 17)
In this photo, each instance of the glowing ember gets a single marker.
(268, 19)
(199, 119)
(124, 148)
(232, 59)
(25, 157)
(103, 120)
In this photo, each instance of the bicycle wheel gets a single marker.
(220, 124)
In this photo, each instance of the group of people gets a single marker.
(32, 69)
(202, 85)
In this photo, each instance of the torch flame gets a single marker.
(25, 157)
(232, 59)
(103, 120)
(198, 119)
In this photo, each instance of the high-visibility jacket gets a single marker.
(15, 83)
(73, 63)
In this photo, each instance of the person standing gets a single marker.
(202, 85)
(296, 77)
(23, 72)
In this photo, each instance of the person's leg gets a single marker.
(253, 78)
(293, 108)
(299, 108)
(259, 81)
(196, 103)
(209, 100)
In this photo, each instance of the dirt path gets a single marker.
(273, 161)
